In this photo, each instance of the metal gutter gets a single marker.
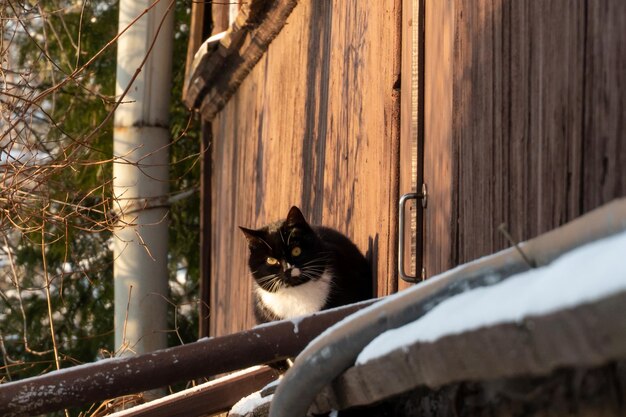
(335, 350)
(579, 338)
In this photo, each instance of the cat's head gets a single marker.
(285, 254)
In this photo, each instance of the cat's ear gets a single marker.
(252, 236)
(295, 218)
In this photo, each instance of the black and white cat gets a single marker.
(300, 269)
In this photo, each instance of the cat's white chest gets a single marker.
(298, 301)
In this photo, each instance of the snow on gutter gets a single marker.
(584, 275)
(336, 349)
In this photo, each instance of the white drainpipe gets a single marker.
(141, 137)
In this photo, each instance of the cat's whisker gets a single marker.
(267, 277)
(314, 266)
(318, 269)
(275, 284)
(311, 274)
(319, 260)
(272, 283)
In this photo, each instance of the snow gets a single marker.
(379, 304)
(272, 384)
(23, 156)
(583, 275)
(295, 321)
(250, 403)
(95, 369)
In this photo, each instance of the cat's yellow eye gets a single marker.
(271, 261)
(296, 251)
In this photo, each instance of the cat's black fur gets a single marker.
(321, 249)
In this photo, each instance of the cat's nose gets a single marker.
(291, 270)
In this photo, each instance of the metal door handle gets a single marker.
(401, 205)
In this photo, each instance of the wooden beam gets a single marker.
(220, 67)
(208, 398)
(196, 36)
(221, 16)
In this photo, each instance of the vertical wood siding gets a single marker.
(438, 146)
(411, 135)
(524, 119)
(315, 124)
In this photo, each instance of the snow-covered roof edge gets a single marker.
(335, 350)
(571, 313)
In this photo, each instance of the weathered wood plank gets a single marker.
(196, 37)
(221, 16)
(473, 125)
(439, 217)
(206, 399)
(515, 140)
(224, 60)
(604, 112)
(314, 124)
(535, 122)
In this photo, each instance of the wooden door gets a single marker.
(524, 106)
(315, 124)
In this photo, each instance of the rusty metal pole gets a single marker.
(110, 378)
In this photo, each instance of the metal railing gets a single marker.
(110, 378)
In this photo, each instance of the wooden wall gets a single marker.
(316, 125)
(524, 119)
